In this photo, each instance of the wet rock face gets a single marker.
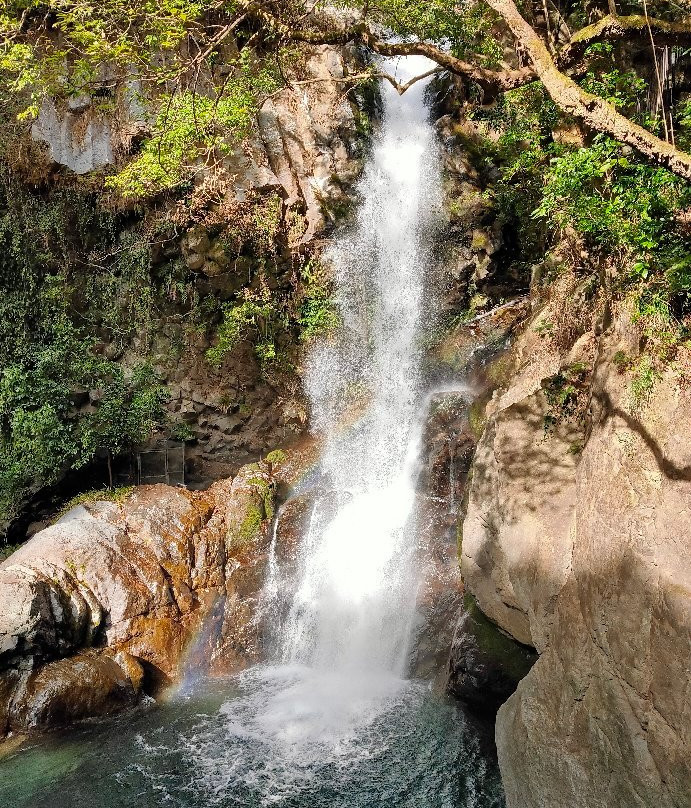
(85, 685)
(447, 449)
(485, 664)
(584, 553)
(109, 600)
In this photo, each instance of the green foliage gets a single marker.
(467, 27)
(68, 59)
(615, 201)
(265, 317)
(122, 299)
(251, 318)
(192, 130)
(48, 359)
(181, 431)
(254, 227)
(644, 378)
(6, 551)
(129, 410)
(621, 361)
(618, 208)
(622, 88)
(87, 48)
(318, 314)
(523, 121)
(627, 211)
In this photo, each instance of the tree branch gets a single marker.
(594, 112)
(353, 78)
(614, 28)
(490, 81)
(401, 88)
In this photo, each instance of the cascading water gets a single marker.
(331, 722)
(353, 607)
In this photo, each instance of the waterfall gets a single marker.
(354, 604)
(331, 721)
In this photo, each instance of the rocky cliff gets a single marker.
(154, 282)
(575, 543)
(304, 157)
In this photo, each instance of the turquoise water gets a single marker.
(285, 737)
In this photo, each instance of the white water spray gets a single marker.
(353, 608)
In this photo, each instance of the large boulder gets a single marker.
(113, 597)
(82, 686)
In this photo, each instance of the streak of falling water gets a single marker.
(452, 476)
(353, 606)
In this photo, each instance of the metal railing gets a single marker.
(163, 464)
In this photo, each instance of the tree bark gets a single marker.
(593, 111)
(490, 81)
(614, 28)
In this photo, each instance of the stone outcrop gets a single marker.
(485, 664)
(304, 146)
(116, 598)
(75, 138)
(575, 542)
(310, 137)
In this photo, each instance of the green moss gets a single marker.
(477, 419)
(118, 495)
(480, 240)
(500, 371)
(645, 377)
(250, 525)
(277, 457)
(514, 658)
(265, 490)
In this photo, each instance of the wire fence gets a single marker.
(162, 464)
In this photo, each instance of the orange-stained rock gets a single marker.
(114, 597)
(84, 685)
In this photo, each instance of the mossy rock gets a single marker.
(117, 495)
(253, 507)
(486, 664)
